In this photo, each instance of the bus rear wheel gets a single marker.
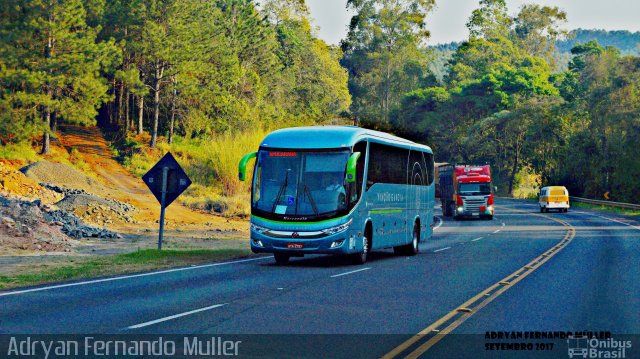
(412, 248)
(281, 258)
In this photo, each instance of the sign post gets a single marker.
(166, 180)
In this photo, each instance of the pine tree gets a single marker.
(54, 63)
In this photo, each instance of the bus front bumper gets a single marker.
(339, 243)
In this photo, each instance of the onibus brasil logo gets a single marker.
(581, 346)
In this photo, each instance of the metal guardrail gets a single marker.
(606, 203)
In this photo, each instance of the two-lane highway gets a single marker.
(583, 277)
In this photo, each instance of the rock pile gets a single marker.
(63, 190)
(74, 227)
(23, 227)
(95, 209)
(44, 225)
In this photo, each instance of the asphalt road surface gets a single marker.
(517, 286)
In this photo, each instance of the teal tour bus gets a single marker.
(339, 190)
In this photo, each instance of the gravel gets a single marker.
(74, 227)
(58, 174)
(24, 216)
(98, 210)
(94, 209)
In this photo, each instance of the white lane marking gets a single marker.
(128, 276)
(496, 231)
(615, 220)
(146, 324)
(353, 271)
(607, 218)
(477, 239)
(439, 223)
(441, 249)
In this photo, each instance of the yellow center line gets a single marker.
(465, 311)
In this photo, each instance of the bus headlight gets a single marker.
(257, 243)
(337, 229)
(258, 229)
(337, 243)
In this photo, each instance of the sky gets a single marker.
(447, 21)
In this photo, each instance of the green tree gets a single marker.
(610, 98)
(537, 30)
(385, 55)
(490, 21)
(312, 84)
(123, 21)
(53, 63)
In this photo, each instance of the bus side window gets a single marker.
(374, 173)
(357, 191)
(428, 159)
(387, 164)
(417, 169)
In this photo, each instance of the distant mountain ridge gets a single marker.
(626, 41)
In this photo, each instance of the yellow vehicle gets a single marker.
(553, 197)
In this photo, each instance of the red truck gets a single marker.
(466, 190)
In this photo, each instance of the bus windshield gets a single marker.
(471, 189)
(295, 183)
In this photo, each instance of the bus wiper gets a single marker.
(281, 191)
(313, 203)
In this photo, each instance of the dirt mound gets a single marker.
(16, 183)
(97, 210)
(23, 227)
(59, 174)
(33, 226)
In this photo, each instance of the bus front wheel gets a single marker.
(361, 258)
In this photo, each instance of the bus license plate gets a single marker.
(294, 245)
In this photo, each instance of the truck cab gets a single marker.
(466, 191)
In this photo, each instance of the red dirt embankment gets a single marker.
(104, 195)
(120, 185)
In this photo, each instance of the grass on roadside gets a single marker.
(211, 163)
(621, 211)
(24, 153)
(142, 260)
(18, 152)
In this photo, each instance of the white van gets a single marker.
(553, 197)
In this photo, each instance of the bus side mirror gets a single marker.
(351, 167)
(242, 166)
